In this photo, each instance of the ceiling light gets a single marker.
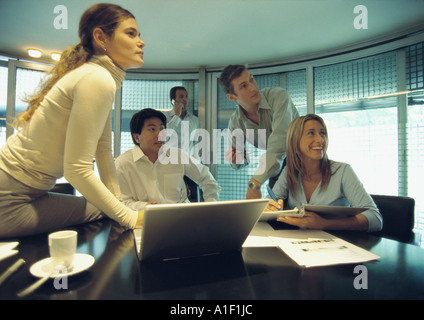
(35, 53)
(55, 56)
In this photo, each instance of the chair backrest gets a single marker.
(398, 216)
(195, 193)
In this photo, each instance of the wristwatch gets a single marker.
(253, 186)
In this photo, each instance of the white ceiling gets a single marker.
(185, 34)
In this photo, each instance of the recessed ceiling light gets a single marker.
(35, 53)
(55, 56)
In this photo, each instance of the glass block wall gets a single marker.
(415, 129)
(3, 102)
(414, 67)
(27, 80)
(361, 104)
(358, 125)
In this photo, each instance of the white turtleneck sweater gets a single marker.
(70, 128)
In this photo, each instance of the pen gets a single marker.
(271, 193)
(12, 269)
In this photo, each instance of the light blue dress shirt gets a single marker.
(344, 189)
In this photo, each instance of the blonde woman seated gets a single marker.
(311, 178)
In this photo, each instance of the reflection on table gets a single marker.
(251, 274)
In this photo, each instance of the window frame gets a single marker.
(13, 65)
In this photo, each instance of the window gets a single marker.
(367, 140)
(363, 104)
(415, 136)
(27, 81)
(3, 102)
(415, 129)
(360, 127)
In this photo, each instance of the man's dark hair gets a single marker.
(138, 119)
(230, 72)
(173, 92)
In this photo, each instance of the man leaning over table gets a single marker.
(269, 109)
(152, 173)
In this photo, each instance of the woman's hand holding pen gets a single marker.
(275, 205)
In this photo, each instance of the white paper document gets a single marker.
(260, 236)
(309, 248)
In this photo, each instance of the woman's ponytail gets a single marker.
(106, 16)
(70, 59)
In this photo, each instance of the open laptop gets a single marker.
(172, 231)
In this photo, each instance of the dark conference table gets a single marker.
(252, 274)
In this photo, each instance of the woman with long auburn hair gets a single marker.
(66, 126)
(311, 178)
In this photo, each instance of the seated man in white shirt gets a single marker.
(146, 174)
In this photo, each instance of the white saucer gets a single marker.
(44, 268)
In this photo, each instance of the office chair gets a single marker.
(398, 217)
(194, 192)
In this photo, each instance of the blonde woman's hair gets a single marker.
(293, 156)
(105, 16)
